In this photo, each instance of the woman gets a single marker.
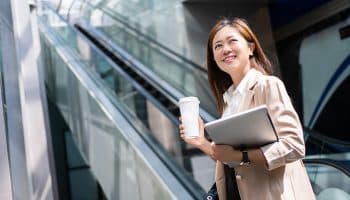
(239, 74)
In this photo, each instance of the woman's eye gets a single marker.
(232, 40)
(217, 46)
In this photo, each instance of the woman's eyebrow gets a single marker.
(228, 37)
(218, 41)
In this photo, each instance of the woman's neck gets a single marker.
(237, 76)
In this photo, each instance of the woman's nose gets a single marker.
(227, 48)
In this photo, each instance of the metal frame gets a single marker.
(5, 182)
(29, 165)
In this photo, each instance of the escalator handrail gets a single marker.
(328, 162)
(137, 86)
(327, 139)
(148, 38)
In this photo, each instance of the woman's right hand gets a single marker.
(223, 153)
(199, 142)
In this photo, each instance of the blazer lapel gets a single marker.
(248, 97)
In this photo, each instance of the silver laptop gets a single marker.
(251, 128)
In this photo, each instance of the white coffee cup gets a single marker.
(189, 109)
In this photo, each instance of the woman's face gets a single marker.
(231, 51)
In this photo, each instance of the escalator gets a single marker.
(113, 108)
(123, 122)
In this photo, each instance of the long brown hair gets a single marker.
(220, 81)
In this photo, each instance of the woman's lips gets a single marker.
(229, 59)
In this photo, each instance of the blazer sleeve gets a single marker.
(290, 146)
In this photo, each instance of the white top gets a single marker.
(233, 97)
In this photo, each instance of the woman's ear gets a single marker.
(252, 48)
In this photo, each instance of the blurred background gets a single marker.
(89, 93)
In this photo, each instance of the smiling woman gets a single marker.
(239, 35)
(239, 74)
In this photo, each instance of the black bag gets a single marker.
(231, 187)
(212, 194)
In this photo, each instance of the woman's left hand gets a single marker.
(224, 153)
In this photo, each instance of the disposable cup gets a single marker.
(189, 109)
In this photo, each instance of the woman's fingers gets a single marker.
(201, 123)
(201, 126)
(181, 129)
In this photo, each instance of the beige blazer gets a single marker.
(284, 176)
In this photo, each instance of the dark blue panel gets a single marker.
(284, 11)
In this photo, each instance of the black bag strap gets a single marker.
(232, 191)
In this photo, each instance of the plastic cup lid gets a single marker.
(187, 99)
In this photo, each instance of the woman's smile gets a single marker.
(229, 59)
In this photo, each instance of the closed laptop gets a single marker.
(251, 128)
